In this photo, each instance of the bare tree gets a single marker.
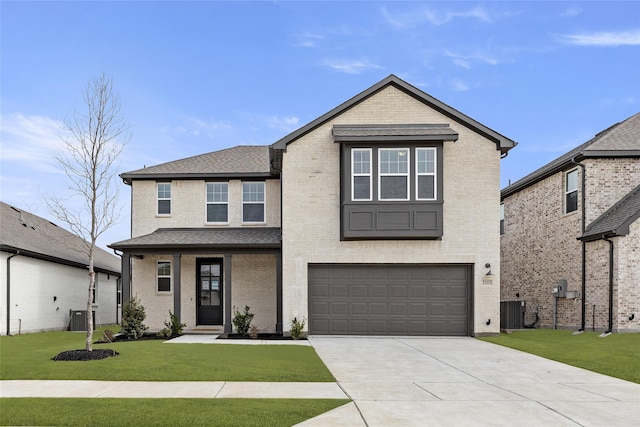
(92, 142)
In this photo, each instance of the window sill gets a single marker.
(164, 293)
(163, 215)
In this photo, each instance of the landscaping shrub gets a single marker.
(133, 315)
(296, 328)
(242, 321)
(174, 325)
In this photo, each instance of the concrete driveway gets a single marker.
(464, 381)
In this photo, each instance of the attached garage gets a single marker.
(383, 299)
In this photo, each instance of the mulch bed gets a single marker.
(75, 355)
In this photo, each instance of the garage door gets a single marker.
(374, 299)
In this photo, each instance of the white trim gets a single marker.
(369, 175)
(398, 174)
(434, 174)
(264, 202)
(567, 191)
(158, 276)
(158, 198)
(207, 202)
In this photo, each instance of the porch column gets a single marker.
(228, 326)
(125, 268)
(176, 285)
(279, 292)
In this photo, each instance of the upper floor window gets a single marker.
(217, 202)
(571, 191)
(253, 202)
(393, 174)
(361, 174)
(164, 276)
(501, 219)
(164, 198)
(426, 178)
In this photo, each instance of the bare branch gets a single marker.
(92, 143)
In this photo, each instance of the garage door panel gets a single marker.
(389, 299)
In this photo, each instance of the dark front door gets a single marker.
(209, 292)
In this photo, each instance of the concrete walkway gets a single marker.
(464, 381)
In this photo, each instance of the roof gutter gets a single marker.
(584, 244)
(8, 302)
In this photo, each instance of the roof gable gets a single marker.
(617, 219)
(503, 143)
(619, 140)
(39, 238)
(243, 160)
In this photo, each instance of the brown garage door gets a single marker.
(375, 299)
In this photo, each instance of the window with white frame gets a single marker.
(501, 219)
(253, 202)
(426, 185)
(217, 202)
(361, 174)
(164, 198)
(164, 276)
(571, 191)
(393, 174)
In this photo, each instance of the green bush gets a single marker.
(173, 325)
(242, 321)
(296, 328)
(132, 317)
(164, 333)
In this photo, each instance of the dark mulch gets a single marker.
(96, 354)
(264, 336)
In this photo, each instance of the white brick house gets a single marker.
(44, 276)
(576, 220)
(359, 222)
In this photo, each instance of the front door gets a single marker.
(209, 276)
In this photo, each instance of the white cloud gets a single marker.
(603, 38)
(434, 17)
(30, 141)
(572, 11)
(308, 40)
(282, 123)
(467, 61)
(458, 85)
(349, 66)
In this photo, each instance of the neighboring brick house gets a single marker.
(45, 279)
(360, 222)
(584, 205)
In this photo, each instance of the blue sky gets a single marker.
(195, 77)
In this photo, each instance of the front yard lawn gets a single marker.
(615, 355)
(28, 357)
(162, 412)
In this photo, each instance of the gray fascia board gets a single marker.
(609, 153)
(503, 143)
(56, 260)
(195, 176)
(391, 138)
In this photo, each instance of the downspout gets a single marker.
(584, 245)
(608, 331)
(9, 291)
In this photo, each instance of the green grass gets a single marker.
(28, 357)
(615, 355)
(162, 412)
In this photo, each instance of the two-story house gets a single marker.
(570, 244)
(377, 218)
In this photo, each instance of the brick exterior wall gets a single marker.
(311, 208)
(253, 284)
(188, 206)
(539, 248)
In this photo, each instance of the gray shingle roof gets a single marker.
(39, 238)
(619, 140)
(617, 219)
(203, 238)
(243, 160)
(394, 132)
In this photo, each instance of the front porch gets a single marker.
(201, 275)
